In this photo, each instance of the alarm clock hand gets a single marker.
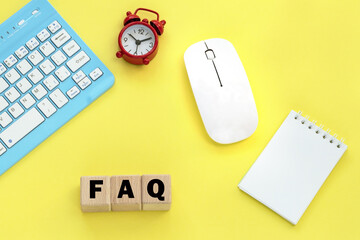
(132, 37)
(145, 39)
(137, 46)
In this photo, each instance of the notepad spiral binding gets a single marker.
(311, 125)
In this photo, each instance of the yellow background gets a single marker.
(301, 55)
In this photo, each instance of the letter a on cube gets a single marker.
(125, 193)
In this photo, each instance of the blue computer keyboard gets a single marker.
(47, 76)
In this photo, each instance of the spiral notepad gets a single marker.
(293, 166)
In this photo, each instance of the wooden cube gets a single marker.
(156, 192)
(95, 194)
(125, 193)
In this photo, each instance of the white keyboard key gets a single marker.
(84, 83)
(10, 61)
(39, 91)
(27, 101)
(51, 82)
(78, 76)
(43, 35)
(21, 52)
(73, 92)
(2, 149)
(47, 48)
(22, 127)
(58, 58)
(3, 103)
(78, 61)
(96, 74)
(32, 44)
(12, 76)
(5, 119)
(2, 68)
(71, 48)
(35, 76)
(16, 110)
(24, 66)
(60, 38)
(35, 57)
(46, 107)
(62, 73)
(58, 98)
(23, 85)
(12, 94)
(54, 27)
(47, 67)
(3, 85)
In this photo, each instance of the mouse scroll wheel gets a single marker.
(210, 54)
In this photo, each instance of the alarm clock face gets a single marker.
(138, 40)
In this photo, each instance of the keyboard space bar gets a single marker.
(22, 127)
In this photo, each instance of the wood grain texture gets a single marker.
(126, 202)
(101, 202)
(153, 198)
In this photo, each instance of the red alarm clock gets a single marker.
(138, 40)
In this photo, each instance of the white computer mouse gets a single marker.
(222, 90)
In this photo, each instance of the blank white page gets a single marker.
(293, 166)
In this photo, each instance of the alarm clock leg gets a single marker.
(119, 54)
(146, 61)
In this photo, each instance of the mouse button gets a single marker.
(210, 54)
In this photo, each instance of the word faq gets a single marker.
(125, 193)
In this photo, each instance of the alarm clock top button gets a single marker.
(158, 26)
